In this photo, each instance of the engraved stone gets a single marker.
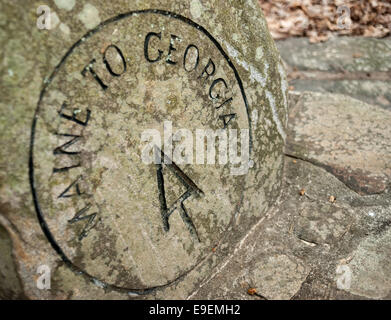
(180, 70)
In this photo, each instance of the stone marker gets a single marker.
(102, 109)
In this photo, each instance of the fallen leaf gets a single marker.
(252, 291)
(319, 19)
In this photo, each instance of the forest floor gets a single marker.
(320, 19)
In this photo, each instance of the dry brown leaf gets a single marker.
(319, 19)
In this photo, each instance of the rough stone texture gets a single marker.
(354, 66)
(282, 258)
(278, 277)
(294, 250)
(372, 279)
(312, 246)
(353, 54)
(29, 57)
(374, 92)
(346, 136)
(10, 287)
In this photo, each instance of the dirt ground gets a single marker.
(320, 19)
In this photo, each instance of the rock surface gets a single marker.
(242, 51)
(10, 286)
(346, 136)
(320, 239)
(351, 54)
(359, 67)
(309, 247)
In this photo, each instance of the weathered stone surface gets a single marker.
(282, 263)
(347, 137)
(374, 92)
(296, 245)
(30, 55)
(353, 54)
(332, 249)
(321, 223)
(370, 265)
(354, 66)
(10, 287)
(278, 277)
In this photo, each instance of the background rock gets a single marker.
(354, 66)
(346, 136)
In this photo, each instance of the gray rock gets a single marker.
(109, 224)
(346, 136)
(373, 92)
(282, 243)
(369, 265)
(284, 258)
(353, 54)
(10, 286)
(279, 277)
(355, 66)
